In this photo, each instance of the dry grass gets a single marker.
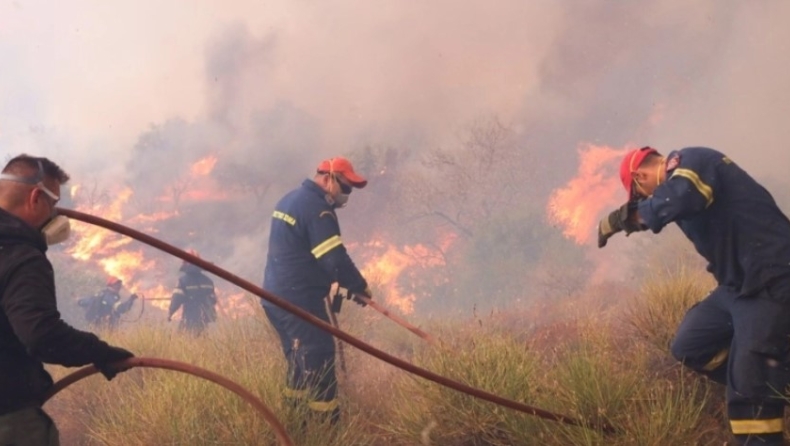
(586, 365)
(664, 299)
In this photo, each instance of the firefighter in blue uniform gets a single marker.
(739, 335)
(306, 255)
(196, 295)
(101, 310)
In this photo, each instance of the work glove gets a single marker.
(355, 296)
(107, 365)
(133, 297)
(621, 219)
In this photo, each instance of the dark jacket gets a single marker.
(306, 253)
(195, 292)
(733, 222)
(101, 309)
(31, 330)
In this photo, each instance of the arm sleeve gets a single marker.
(125, 306)
(177, 299)
(327, 247)
(690, 189)
(30, 306)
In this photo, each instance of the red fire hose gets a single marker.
(367, 348)
(279, 430)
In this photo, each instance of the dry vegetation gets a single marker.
(604, 366)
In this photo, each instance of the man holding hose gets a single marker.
(31, 329)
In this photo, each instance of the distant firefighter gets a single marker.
(101, 309)
(195, 293)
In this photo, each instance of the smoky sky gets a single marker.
(134, 93)
(87, 81)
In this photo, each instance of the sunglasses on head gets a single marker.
(36, 180)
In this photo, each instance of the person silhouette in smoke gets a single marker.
(196, 295)
(739, 335)
(101, 310)
(306, 255)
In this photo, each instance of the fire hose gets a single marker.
(279, 430)
(367, 348)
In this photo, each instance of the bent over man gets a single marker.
(739, 335)
(306, 255)
(101, 310)
(31, 330)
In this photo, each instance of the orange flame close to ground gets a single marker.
(392, 270)
(578, 205)
(385, 269)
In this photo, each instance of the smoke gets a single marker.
(135, 96)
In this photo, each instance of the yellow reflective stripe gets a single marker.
(756, 427)
(717, 360)
(178, 291)
(284, 217)
(606, 228)
(295, 393)
(207, 286)
(326, 246)
(692, 176)
(323, 406)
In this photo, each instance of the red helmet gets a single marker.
(631, 161)
(112, 280)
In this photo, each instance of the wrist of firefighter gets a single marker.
(359, 296)
(610, 225)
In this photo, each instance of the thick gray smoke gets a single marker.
(272, 88)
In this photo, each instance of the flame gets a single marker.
(577, 206)
(204, 166)
(92, 240)
(196, 185)
(390, 263)
(234, 305)
(143, 273)
(107, 250)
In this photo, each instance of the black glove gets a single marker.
(621, 219)
(355, 297)
(107, 365)
(133, 297)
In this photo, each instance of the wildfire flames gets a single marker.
(389, 263)
(389, 268)
(578, 206)
(141, 273)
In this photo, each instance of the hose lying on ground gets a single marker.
(279, 430)
(367, 348)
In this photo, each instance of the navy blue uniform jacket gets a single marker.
(732, 220)
(306, 253)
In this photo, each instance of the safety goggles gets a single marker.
(345, 188)
(36, 181)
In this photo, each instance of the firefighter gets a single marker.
(305, 256)
(31, 329)
(102, 309)
(739, 335)
(195, 293)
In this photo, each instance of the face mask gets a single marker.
(341, 200)
(337, 201)
(57, 230)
